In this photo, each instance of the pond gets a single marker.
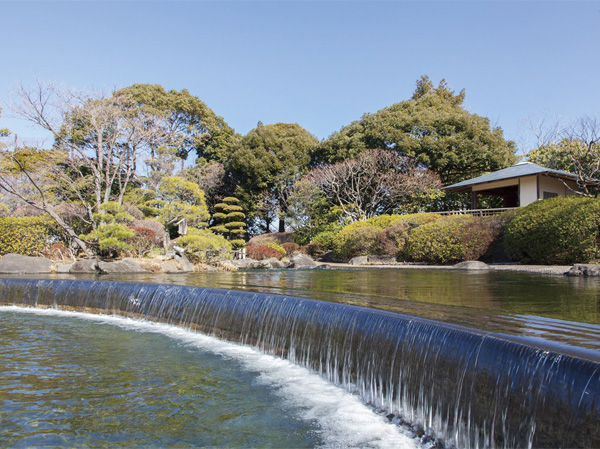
(555, 310)
(551, 315)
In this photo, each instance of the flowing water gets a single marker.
(81, 380)
(469, 387)
(550, 311)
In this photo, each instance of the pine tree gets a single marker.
(229, 221)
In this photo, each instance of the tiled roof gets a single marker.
(516, 171)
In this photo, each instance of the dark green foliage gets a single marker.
(451, 239)
(29, 236)
(559, 230)
(432, 127)
(228, 221)
(201, 130)
(266, 163)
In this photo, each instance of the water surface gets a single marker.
(541, 308)
(71, 379)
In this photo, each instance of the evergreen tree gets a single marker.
(229, 221)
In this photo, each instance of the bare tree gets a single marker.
(376, 182)
(103, 139)
(26, 177)
(573, 148)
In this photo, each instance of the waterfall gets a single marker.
(471, 388)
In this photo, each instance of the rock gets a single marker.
(85, 266)
(301, 261)
(472, 265)
(375, 259)
(274, 263)
(242, 263)
(173, 266)
(359, 260)
(125, 266)
(184, 262)
(18, 264)
(63, 267)
(227, 265)
(584, 269)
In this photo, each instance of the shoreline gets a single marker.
(548, 270)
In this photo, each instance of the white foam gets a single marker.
(344, 420)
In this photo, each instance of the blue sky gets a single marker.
(319, 64)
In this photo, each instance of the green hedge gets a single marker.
(451, 239)
(383, 235)
(29, 236)
(561, 230)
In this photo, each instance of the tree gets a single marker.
(29, 175)
(576, 149)
(112, 233)
(268, 160)
(377, 182)
(210, 176)
(178, 199)
(102, 139)
(194, 127)
(310, 212)
(434, 128)
(229, 221)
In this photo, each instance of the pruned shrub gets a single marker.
(57, 251)
(262, 252)
(134, 211)
(143, 241)
(312, 249)
(290, 247)
(450, 239)
(359, 237)
(324, 241)
(560, 230)
(29, 236)
(383, 235)
(154, 225)
(203, 245)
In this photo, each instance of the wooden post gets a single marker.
(473, 200)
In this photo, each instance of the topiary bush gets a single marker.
(29, 236)
(112, 233)
(262, 252)
(290, 247)
(450, 239)
(229, 221)
(561, 230)
(203, 245)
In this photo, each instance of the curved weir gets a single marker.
(472, 389)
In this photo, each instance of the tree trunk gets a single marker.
(281, 224)
(59, 221)
(166, 240)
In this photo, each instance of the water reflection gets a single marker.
(551, 308)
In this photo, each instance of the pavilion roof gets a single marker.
(516, 171)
